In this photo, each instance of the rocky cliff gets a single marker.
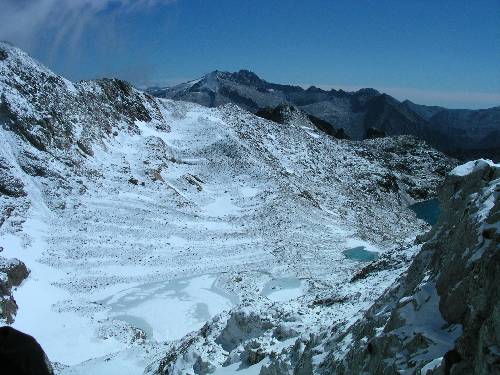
(442, 316)
(12, 274)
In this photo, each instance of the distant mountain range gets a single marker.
(365, 113)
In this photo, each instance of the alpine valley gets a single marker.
(262, 230)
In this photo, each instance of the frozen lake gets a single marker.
(168, 311)
(283, 289)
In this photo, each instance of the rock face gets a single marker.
(48, 110)
(20, 354)
(289, 114)
(12, 274)
(442, 316)
(461, 133)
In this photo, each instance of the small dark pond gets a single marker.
(427, 210)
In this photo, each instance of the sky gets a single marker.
(436, 52)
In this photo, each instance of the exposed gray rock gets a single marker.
(275, 368)
(201, 367)
(242, 326)
(12, 274)
(283, 332)
(253, 353)
(10, 185)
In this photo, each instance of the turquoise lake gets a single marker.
(359, 253)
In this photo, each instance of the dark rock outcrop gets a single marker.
(328, 128)
(21, 354)
(275, 114)
(3, 54)
(12, 274)
(372, 133)
(10, 185)
(286, 114)
(241, 326)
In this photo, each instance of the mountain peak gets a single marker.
(369, 91)
(247, 73)
(354, 111)
(313, 89)
(246, 77)
(243, 76)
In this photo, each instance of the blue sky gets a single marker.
(432, 52)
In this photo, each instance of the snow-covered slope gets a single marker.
(142, 219)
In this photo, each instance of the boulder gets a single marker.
(12, 274)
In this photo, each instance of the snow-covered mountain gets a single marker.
(360, 114)
(439, 317)
(168, 237)
(245, 89)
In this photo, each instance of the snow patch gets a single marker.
(472, 166)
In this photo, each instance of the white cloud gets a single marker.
(23, 22)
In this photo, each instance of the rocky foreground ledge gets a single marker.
(443, 315)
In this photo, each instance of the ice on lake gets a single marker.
(283, 289)
(168, 311)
